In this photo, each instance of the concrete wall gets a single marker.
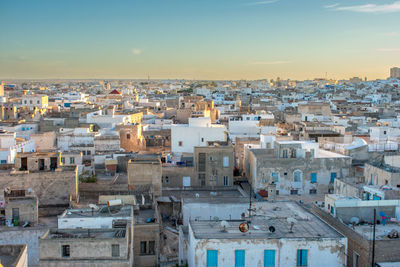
(28, 209)
(146, 232)
(194, 136)
(29, 236)
(44, 141)
(330, 252)
(51, 188)
(379, 176)
(145, 173)
(214, 164)
(175, 176)
(206, 210)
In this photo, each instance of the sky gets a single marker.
(198, 39)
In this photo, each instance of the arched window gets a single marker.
(297, 175)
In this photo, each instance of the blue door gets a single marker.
(239, 258)
(212, 258)
(333, 176)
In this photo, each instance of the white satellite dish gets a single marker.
(224, 226)
(354, 220)
(94, 207)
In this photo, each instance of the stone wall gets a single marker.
(51, 188)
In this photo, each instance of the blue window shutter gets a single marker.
(301, 257)
(239, 258)
(313, 177)
(212, 258)
(333, 176)
(269, 258)
(304, 257)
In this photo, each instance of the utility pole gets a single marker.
(373, 240)
(250, 203)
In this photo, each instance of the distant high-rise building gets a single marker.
(395, 72)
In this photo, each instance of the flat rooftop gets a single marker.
(269, 214)
(10, 254)
(204, 194)
(85, 233)
(381, 231)
(104, 211)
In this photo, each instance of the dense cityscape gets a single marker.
(221, 133)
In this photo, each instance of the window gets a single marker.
(88, 152)
(166, 179)
(297, 176)
(37, 102)
(277, 192)
(313, 191)
(293, 153)
(71, 160)
(201, 162)
(180, 143)
(226, 162)
(239, 258)
(65, 252)
(143, 246)
(333, 176)
(269, 258)
(84, 153)
(115, 250)
(152, 246)
(30, 101)
(212, 258)
(294, 192)
(313, 178)
(202, 139)
(3, 161)
(202, 179)
(384, 132)
(62, 160)
(301, 257)
(226, 180)
(285, 154)
(356, 259)
(275, 177)
(26, 102)
(128, 136)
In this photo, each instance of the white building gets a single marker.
(280, 234)
(9, 147)
(69, 139)
(35, 101)
(199, 131)
(96, 218)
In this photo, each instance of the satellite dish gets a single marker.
(244, 227)
(93, 206)
(354, 220)
(292, 222)
(197, 195)
(271, 229)
(224, 226)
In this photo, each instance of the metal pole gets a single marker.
(373, 240)
(250, 202)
